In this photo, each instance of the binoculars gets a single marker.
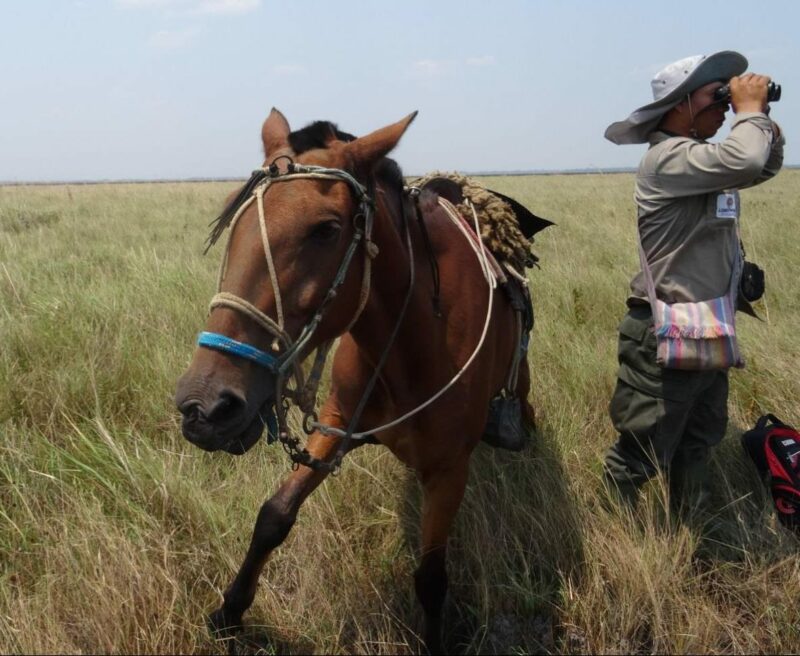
(773, 93)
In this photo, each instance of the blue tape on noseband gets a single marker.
(219, 342)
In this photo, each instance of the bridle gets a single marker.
(287, 364)
(363, 222)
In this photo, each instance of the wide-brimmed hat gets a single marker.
(670, 86)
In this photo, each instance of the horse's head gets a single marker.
(289, 235)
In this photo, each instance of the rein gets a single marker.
(305, 391)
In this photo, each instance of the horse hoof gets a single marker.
(224, 625)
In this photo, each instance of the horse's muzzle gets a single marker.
(223, 424)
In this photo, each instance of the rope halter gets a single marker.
(286, 364)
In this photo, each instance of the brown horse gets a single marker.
(311, 222)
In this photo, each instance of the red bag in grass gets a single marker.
(775, 450)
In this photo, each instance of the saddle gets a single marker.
(507, 228)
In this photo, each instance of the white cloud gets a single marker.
(430, 67)
(173, 39)
(227, 6)
(195, 6)
(154, 4)
(288, 69)
(485, 60)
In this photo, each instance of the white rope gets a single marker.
(516, 274)
(223, 265)
(455, 217)
(226, 299)
(492, 282)
(268, 254)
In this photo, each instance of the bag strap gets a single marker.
(648, 276)
(769, 417)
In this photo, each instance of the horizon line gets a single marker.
(487, 173)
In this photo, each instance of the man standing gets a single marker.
(688, 211)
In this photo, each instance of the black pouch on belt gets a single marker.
(751, 287)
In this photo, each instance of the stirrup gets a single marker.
(506, 428)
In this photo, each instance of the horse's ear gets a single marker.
(367, 150)
(275, 133)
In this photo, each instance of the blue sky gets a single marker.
(152, 89)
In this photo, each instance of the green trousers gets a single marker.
(667, 419)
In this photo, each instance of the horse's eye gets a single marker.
(326, 231)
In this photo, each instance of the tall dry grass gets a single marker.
(117, 536)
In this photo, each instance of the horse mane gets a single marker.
(315, 134)
(311, 137)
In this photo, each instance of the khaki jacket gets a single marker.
(688, 206)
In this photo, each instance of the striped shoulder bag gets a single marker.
(696, 336)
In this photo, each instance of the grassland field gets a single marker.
(116, 535)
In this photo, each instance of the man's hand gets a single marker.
(749, 93)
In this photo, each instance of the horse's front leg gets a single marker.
(275, 520)
(443, 491)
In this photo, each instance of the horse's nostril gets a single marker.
(227, 407)
(190, 409)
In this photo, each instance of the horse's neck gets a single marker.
(392, 221)
(390, 274)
